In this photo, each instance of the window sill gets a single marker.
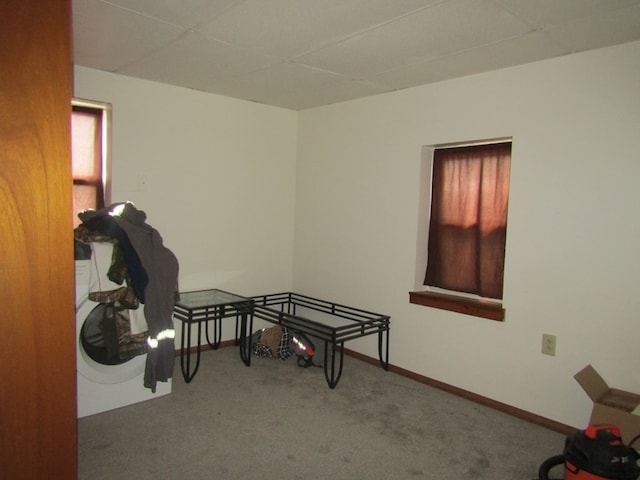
(468, 306)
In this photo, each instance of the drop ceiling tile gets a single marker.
(194, 60)
(339, 93)
(545, 13)
(107, 37)
(279, 81)
(324, 95)
(185, 13)
(620, 26)
(422, 36)
(527, 48)
(413, 75)
(292, 27)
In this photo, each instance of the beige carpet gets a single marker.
(274, 420)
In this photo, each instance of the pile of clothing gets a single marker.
(281, 343)
(145, 273)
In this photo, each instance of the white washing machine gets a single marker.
(104, 386)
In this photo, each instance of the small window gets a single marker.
(467, 226)
(90, 126)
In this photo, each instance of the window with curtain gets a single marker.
(468, 220)
(89, 142)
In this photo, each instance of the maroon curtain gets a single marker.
(468, 225)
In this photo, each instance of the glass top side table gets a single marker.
(205, 306)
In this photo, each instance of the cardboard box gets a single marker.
(610, 405)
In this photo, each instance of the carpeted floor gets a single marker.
(274, 420)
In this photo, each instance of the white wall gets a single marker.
(220, 179)
(573, 251)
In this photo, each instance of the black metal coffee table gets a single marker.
(205, 306)
(332, 323)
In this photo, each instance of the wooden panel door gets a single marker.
(38, 434)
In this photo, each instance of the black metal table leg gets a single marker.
(185, 359)
(245, 337)
(217, 318)
(330, 367)
(384, 356)
(217, 329)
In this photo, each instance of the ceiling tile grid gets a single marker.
(300, 54)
